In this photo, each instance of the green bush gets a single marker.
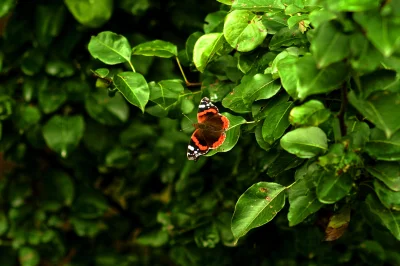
(93, 133)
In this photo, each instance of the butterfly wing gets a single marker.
(206, 110)
(198, 145)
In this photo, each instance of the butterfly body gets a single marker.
(209, 130)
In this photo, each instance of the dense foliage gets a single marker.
(93, 137)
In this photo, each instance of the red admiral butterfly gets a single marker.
(209, 131)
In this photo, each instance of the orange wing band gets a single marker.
(219, 141)
(225, 122)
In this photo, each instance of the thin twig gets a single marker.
(188, 83)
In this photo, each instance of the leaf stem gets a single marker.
(188, 83)
(291, 184)
(130, 63)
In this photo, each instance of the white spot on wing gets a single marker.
(191, 148)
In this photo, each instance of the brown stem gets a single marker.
(188, 83)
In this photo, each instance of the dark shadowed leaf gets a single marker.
(338, 224)
(287, 37)
(382, 148)
(389, 198)
(388, 173)
(390, 219)
(332, 187)
(276, 122)
(382, 108)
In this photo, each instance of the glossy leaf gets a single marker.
(234, 100)
(311, 113)
(382, 108)
(257, 206)
(91, 14)
(301, 207)
(354, 5)
(382, 148)
(305, 142)
(205, 48)
(166, 92)
(287, 37)
(333, 187)
(389, 198)
(232, 134)
(257, 5)
(260, 86)
(312, 80)
(110, 48)
(157, 48)
(390, 219)
(287, 73)
(329, 45)
(243, 30)
(134, 88)
(388, 173)
(276, 122)
(63, 134)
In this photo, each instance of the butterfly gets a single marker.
(209, 130)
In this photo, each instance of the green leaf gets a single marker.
(234, 100)
(365, 57)
(243, 30)
(155, 238)
(382, 148)
(372, 253)
(389, 198)
(287, 37)
(50, 99)
(215, 22)
(312, 80)
(110, 48)
(6, 7)
(58, 190)
(257, 206)
(32, 62)
(102, 72)
(382, 108)
(305, 142)
(276, 122)
(311, 113)
(379, 80)
(63, 134)
(377, 28)
(259, 87)
(156, 48)
(166, 92)
(329, 45)
(206, 236)
(301, 207)
(275, 21)
(390, 219)
(353, 5)
(3, 222)
(284, 161)
(49, 22)
(59, 68)
(190, 43)
(387, 172)
(91, 13)
(28, 256)
(134, 88)
(118, 158)
(205, 48)
(106, 110)
(257, 5)
(295, 20)
(232, 134)
(320, 16)
(333, 187)
(358, 133)
(26, 116)
(287, 73)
